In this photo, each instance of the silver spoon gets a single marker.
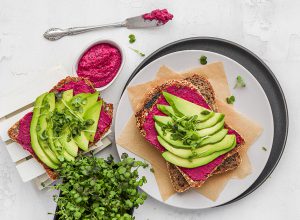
(130, 23)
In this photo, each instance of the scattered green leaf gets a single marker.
(264, 149)
(137, 51)
(152, 170)
(131, 38)
(203, 60)
(230, 100)
(240, 83)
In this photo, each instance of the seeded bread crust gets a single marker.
(13, 132)
(180, 181)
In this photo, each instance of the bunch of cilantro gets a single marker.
(94, 188)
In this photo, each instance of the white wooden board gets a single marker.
(20, 96)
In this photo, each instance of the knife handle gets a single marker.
(57, 33)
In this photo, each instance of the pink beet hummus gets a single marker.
(161, 16)
(100, 64)
(198, 173)
(78, 87)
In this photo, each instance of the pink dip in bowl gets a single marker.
(100, 64)
(161, 16)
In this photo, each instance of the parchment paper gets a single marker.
(133, 141)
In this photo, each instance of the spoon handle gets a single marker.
(57, 33)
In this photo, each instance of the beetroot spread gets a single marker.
(105, 122)
(100, 64)
(189, 94)
(161, 16)
(24, 132)
(78, 87)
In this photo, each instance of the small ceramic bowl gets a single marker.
(99, 42)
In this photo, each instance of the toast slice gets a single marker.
(13, 132)
(180, 180)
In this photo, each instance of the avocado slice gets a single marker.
(67, 156)
(93, 113)
(68, 143)
(227, 142)
(184, 153)
(196, 162)
(211, 121)
(66, 96)
(87, 100)
(163, 120)
(64, 154)
(38, 150)
(82, 141)
(43, 138)
(166, 109)
(184, 107)
(215, 138)
(212, 130)
(57, 151)
(167, 137)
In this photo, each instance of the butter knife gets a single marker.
(130, 23)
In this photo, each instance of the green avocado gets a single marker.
(212, 130)
(196, 162)
(184, 107)
(68, 143)
(82, 141)
(64, 154)
(167, 137)
(50, 140)
(184, 153)
(211, 121)
(162, 120)
(214, 138)
(38, 150)
(227, 142)
(47, 107)
(66, 96)
(86, 101)
(67, 156)
(166, 109)
(93, 113)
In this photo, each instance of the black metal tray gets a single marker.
(263, 75)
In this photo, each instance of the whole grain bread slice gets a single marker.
(13, 132)
(180, 184)
(180, 181)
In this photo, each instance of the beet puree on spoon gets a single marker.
(162, 16)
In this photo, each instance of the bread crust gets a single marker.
(14, 130)
(203, 87)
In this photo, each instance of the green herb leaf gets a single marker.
(264, 149)
(203, 60)
(131, 38)
(230, 100)
(240, 83)
(138, 52)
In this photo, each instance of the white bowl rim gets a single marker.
(93, 43)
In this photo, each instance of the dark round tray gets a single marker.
(263, 75)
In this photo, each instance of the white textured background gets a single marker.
(269, 28)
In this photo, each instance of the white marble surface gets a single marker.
(267, 27)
